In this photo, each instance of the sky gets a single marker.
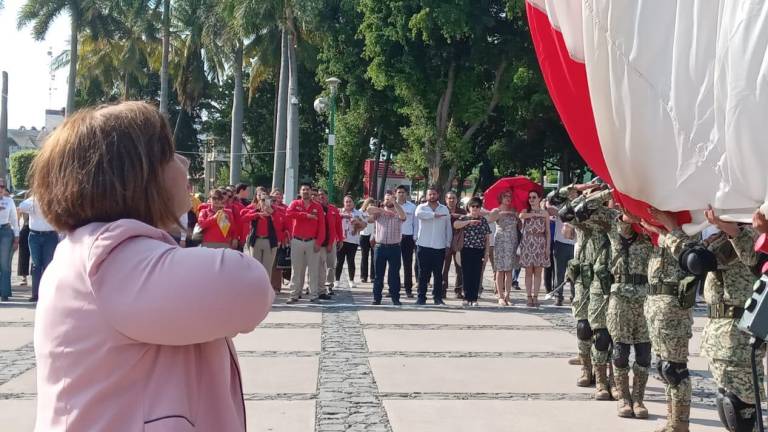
(27, 64)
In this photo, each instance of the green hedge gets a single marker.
(20, 164)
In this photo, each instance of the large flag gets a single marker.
(663, 99)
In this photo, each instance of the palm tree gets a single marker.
(164, 81)
(83, 13)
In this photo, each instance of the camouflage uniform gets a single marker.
(727, 348)
(670, 325)
(630, 253)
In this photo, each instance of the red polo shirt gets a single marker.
(262, 230)
(211, 231)
(333, 223)
(302, 226)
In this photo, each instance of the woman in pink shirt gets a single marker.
(133, 332)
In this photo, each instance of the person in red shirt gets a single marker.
(216, 222)
(334, 236)
(307, 221)
(277, 273)
(266, 230)
(234, 204)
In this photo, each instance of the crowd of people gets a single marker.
(312, 240)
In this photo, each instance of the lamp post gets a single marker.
(322, 104)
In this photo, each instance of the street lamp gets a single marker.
(321, 105)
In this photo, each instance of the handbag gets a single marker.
(283, 257)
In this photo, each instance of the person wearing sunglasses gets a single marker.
(9, 240)
(474, 249)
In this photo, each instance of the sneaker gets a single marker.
(396, 303)
(409, 295)
(474, 304)
(376, 302)
(351, 284)
(439, 302)
(324, 297)
(292, 301)
(466, 303)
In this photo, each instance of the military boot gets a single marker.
(574, 361)
(585, 380)
(615, 392)
(639, 380)
(667, 427)
(602, 392)
(625, 399)
(681, 414)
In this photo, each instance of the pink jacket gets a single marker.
(132, 333)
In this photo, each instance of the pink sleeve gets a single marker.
(162, 294)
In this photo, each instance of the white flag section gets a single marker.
(679, 92)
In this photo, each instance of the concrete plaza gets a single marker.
(349, 366)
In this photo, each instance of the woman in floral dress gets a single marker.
(505, 245)
(534, 246)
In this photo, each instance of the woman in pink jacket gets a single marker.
(132, 332)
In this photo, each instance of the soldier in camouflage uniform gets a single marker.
(571, 197)
(598, 219)
(630, 252)
(668, 321)
(727, 348)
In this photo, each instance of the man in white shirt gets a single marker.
(433, 239)
(9, 240)
(43, 240)
(408, 242)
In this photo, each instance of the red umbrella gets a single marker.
(520, 187)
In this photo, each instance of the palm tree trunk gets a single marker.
(292, 135)
(72, 81)
(281, 103)
(236, 144)
(125, 86)
(166, 52)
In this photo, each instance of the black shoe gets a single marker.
(396, 303)
(330, 292)
(439, 302)
(421, 302)
(559, 302)
(376, 302)
(459, 295)
(32, 299)
(364, 280)
(409, 295)
(324, 297)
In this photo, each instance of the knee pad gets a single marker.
(643, 354)
(675, 372)
(735, 414)
(602, 339)
(583, 330)
(621, 355)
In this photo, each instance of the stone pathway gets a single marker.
(349, 366)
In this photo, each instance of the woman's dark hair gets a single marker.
(103, 164)
(538, 195)
(474, 201)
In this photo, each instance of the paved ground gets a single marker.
(350, 366)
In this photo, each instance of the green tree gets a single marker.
(20, 163)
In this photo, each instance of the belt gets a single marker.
(665, 289)
(304, 239)
(41, 232)
(722, 310)
(632, 279)
(387, 244)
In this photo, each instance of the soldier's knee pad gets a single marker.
(735, 414)
(674, 372)
(583, 330)
(643, 354)
(621, 355)
(602, 339)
